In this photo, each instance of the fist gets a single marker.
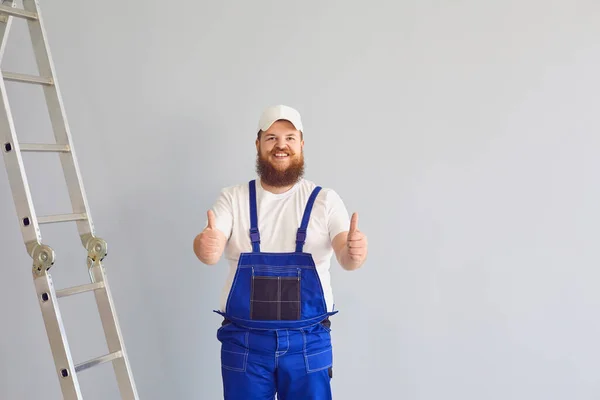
(356, 241)
(209, 240)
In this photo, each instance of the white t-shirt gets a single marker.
(279, 217)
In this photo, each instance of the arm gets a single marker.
(347, 241)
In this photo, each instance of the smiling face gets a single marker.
(280, 158)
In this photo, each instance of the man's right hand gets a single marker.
(210, 243)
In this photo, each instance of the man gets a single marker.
(278, 234)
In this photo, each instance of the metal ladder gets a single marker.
(43, 256)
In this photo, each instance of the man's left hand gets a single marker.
(356, 242)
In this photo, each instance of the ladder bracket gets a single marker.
(43, 257)
(95, 246)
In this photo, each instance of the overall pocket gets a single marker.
(234, 361)
(319, 360)
(318, 353)
(234, 347)
(275, 294)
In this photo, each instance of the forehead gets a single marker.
(281, 128)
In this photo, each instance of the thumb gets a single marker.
(354, 223)
(211, 219)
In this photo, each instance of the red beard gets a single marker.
(273, 176)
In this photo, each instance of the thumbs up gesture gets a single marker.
(211, 220)
(209, 244)
(356, 243)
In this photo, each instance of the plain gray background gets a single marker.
(464, 133)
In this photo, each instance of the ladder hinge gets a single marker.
(96, 247)
(42, 255)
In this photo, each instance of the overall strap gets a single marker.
(254, 234)
(301, 235)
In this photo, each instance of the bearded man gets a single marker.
(278, 234)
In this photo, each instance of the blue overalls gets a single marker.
(275, 337)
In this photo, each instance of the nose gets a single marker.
(281, 143)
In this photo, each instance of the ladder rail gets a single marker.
(57, 337)
(112, 332)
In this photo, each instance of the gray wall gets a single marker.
(464, 133)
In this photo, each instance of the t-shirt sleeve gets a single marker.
(338, 219)
(223, 210)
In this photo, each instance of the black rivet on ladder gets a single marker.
(7, 147)
(26, 221)
(45, 297)
(64, 373)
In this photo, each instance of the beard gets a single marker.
(273, 176)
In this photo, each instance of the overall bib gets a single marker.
(275, 337)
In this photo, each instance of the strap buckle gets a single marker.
(254, 235)
(301, 235)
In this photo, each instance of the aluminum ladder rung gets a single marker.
(26, 78)
(99, 360)
(50, 219)
(79, 289)
(43, 147)
(19, 13)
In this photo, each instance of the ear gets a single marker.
(257, 143)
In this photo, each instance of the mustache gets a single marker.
(288, 151)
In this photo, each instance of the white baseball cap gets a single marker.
(274, 113)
